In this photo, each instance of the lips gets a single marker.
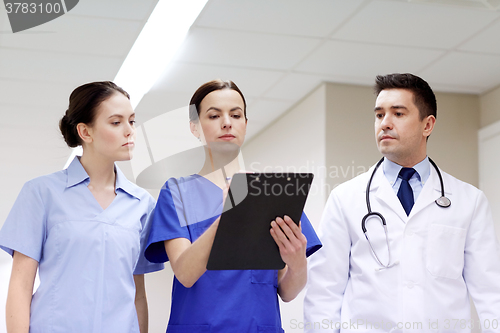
(128, 144)
(386, 135)
(227, 137)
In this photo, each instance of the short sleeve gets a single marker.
(144, 266)
(24, 230)
(313, 242)
(168, 222)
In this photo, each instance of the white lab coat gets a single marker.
(443, 254)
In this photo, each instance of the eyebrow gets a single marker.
(219, 110)
(120, 116)
(394, 107)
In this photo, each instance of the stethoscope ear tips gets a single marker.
(443, 202)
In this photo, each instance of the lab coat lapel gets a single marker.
(430, 192)
(384, 194)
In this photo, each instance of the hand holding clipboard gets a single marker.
(243, 239)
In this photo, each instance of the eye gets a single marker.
(132, 122)
(379, 115)
(237, 116)
(115, 123)
(399, 114)
(213, 116)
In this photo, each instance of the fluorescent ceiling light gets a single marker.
(156, 45)
(153, 50)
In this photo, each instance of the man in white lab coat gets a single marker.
(418, 279)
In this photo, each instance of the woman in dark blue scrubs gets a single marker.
(186, 219)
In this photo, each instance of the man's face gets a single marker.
(400, 134)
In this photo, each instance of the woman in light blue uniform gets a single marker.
(84, 228)
(186, 219)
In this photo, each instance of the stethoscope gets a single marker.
(442, 201)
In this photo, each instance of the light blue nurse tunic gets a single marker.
(86, 255)
(220, 301)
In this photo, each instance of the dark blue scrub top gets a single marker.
(220, 301)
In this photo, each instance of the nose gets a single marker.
(386, 122)
(129, 129)
(226, 122)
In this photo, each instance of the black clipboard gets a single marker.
(243, 240)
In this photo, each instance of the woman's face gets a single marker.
(113, 130)
(222, 118)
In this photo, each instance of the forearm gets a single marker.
(18, 313)
(141, 303)
(189, 260)
(291, 281)
(18, 305)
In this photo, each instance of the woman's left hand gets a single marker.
(291, 242)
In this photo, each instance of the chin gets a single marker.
(223, 146)
(127, 157)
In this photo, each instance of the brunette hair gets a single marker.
(207, 88)
(83, 103)
(423, 96)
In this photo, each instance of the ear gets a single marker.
(430, 121)
(85, 132)
(194, 129)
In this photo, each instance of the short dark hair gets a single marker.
(423, 96)
(207, 88)
(83, 103)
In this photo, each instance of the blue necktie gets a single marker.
(405, 193)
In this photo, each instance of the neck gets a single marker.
(219, 166)
(409, 162)
(101, 171)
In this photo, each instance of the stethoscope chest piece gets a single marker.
(443, 202)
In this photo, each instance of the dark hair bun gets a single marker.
(83, 104)
(69, 132)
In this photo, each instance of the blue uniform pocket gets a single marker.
(265, 277)
(188, 328)
(270, 329)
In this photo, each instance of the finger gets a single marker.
(299, 237)
(287, 226)
(291, 224)
(280, 235)
(291, 241)
(274, 235)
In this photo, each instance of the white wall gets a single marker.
(489, 157)
(489, 160)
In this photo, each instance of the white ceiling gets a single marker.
(276, 51)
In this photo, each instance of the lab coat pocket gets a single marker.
(445, 251)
